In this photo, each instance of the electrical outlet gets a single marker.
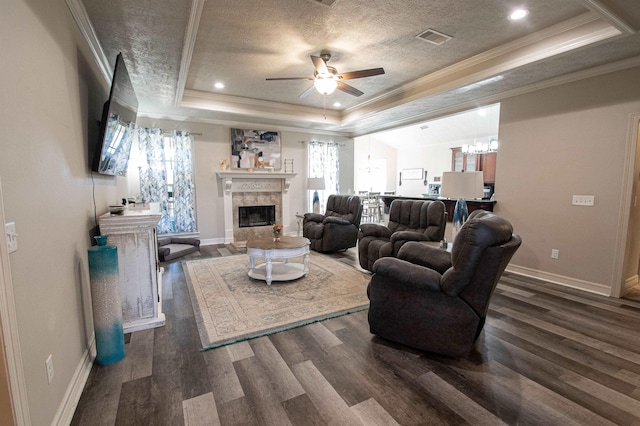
(555, 253)
(583, 200)
(49, 365)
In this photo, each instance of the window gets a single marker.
(324, 161)
(166, 177)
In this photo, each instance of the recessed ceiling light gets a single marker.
(518, 14)
(336, 104)
(219, 85)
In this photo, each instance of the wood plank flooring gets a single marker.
(548, 356)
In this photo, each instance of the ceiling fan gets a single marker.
(326, 79)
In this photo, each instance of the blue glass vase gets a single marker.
(105, 299)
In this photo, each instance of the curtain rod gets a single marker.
(324, 143)
(191, 133)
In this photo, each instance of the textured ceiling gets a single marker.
(176, 50)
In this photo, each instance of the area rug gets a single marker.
(230, 307)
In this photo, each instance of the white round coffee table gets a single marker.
(286, 248)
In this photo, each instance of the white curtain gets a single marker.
(324, 161)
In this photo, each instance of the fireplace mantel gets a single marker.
(228, 177)
(255, 175)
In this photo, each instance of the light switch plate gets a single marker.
(583, 200)
(11, 236)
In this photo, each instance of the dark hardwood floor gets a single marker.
(548, 356)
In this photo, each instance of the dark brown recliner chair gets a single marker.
(337, 229)
(437, 301)
(409, 220)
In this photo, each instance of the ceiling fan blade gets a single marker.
(320, 64)
(349, 89)
(306, 92)
(290, 78)
(362, 73)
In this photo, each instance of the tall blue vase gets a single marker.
(105, 298)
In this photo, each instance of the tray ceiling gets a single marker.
(176, 50)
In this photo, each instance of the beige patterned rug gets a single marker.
(230, 307)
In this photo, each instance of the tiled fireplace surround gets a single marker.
(253, 189)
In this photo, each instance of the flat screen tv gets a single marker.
(117, 125)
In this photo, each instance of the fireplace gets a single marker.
(254, 189)
(249, 216)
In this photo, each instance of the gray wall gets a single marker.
(50, 100)
(558, 142)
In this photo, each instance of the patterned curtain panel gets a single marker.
(323, 160)
(332, 169)
(153, 174)
(183, 187)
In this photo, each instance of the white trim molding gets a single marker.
(86, 28)
(9, 322)
(588, 286)
(187, 49)
(67, 408)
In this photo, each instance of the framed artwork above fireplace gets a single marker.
(255, 149)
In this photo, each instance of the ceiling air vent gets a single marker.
(328, 3)
(434, 37)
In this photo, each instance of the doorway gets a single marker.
(13, 405)
(631, 286)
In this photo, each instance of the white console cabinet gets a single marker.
(134, 233)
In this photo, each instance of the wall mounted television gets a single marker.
(117, 125)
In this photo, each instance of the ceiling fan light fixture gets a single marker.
(325, 84)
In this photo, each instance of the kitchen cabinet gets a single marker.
(488, 167)
(485, 163)
(462, 162)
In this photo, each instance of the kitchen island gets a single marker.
(449, 203)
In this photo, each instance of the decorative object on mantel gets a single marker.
(230, 307)
(224, 165)
(252, 149)
(288, 165)
(105, 300)
(277, 230)
(316, 184)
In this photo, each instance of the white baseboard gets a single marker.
(67, 408)
(631, 281)
(211, 241)
(561, 280)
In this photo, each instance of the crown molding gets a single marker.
(242, 124)
(81, 18)
(187, 49)
(577, 32)
(498, 97)
(608, 15)
(265, 109)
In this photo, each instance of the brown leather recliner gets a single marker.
(437, 301)
(337, 229)
(409, 220)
